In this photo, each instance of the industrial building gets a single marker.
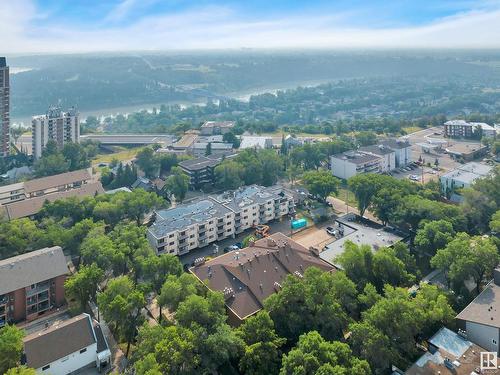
(206, 220)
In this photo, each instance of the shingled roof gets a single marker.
(56, 181)
(31, 268)
(247, 277)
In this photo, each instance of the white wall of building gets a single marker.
(341, 168)
(71, 362)
(45, 128)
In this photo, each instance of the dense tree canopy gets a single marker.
(11, 346)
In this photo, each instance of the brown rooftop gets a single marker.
(248, 276)
(32, 206)
(55, 181)
(58, 341)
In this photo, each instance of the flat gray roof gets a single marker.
(31, 268)
(249, 195)
(469, 172)
(356, 157)
(360, 234)
(199, 163)
(485, 308)
(185, 215)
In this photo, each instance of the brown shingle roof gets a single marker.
(255, 272)
(32, 206)
(58, 341)
(55, 181)
(31, 268)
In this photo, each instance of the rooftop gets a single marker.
(31, 268)
(56, 181)
(32, 206)
(360, 233)
(485, 308)
(186, 141)
(483, 125)
(248, 276)
(462, 356)
(164, 139)
(185, 215)
(356, 157)
(465, 148)
(396, 144)
(199, 163)
(377, 149)
(213, 145)
(218, 124)
(248, 141)
(469, 172)
(58, 341)
(249, 195)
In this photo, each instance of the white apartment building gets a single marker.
(204, 221)
(351, 163)
(462, 177)
(387, 155)
(61, 127)
(402, 149)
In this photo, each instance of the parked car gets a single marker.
(331, 231)
(227, 249)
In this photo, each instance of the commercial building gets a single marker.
(250, 141)
(464, 129)
(216, 127)
(481, 318)
(31, 284)
(4, 108)
(360, 231)
(201, 170)
(56, 125)
(462, 177)
(67, 347)
(27, 198)
(203, 221)
(351, 163)
(450, 353)
(248, 276)
(467, 151)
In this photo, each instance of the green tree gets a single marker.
(303, 305)
(51, 165)
(467, 257)
(11, 347)
(21, 370)
(177, 184)
(229, 137)
(121, 305)
(148, 162)
(176, 289)
(313, 355)
(208, 149)
(271, 165)
(83, 285)
(434, 235)
(18, 236)
(262, 353)
(76, 156)
(138, 203)
(227, 175)
(495, 222)
(208, 313)
(321, 183)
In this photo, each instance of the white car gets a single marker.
(331, 231)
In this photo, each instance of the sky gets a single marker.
(67, 26)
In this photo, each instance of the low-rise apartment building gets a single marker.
(31, 284)
(217, 127)
(386, 154)
(402, 148)
(351, 163)
(67, 347)
(248, 276)
(203, 221)
(25, 199)
(465, 129)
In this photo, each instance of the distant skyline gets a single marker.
(53, 26)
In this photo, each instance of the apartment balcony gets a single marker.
(40, 287)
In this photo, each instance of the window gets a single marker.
(494, 341)
(83, 350)
(45, 367)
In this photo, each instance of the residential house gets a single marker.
(31, 284)
(481, 318)
(67, 347)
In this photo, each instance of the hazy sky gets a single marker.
(114, 25)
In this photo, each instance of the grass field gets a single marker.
(412, 129)
(347, 195)
(123, 154)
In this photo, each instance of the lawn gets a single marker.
(122, 155)
(347, 195)
(411, 129)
